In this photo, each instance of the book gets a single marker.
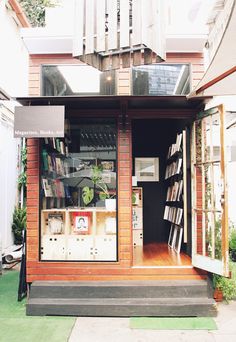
(55, 223)
(45, 160)
(47, 188)
(81, 222)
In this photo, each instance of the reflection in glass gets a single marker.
(65, 80)
(217, 185)
(230, 137)
(161, 79)
(78, 192)
(216, 137)
(206, 138)
(218, 236)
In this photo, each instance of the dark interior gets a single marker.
(151, 138)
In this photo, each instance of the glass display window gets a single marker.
(79, 192)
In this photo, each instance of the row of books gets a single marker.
(175, 191)
(173, 214)
(55, 188)
(174, 168)
(57, 144)
(176, 147)
(53, 163)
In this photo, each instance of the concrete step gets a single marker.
(120, 289)
(122, 307)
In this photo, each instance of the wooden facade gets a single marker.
(122, 269)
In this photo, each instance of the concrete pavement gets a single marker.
(106, 329)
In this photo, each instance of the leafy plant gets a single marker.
(87, 195)
(232, 244)
(22, 177)
(97, 179)
(18, 224)
(226, 285)
(35, 10)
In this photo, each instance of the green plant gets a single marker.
(18, 224)
(226, 285)
(35, 10)
(87, 195)
(22, 177)
(133, 198)
(232, 243)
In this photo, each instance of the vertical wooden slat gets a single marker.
(100, 22)
(137, 25)
(145, 22)
(78, 27)
(124, 23)
(89, 28)
(137, 58)
(112, 24)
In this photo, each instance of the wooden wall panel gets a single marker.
(94, 271)
(123, 75)
(32, 251)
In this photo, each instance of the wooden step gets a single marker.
(122, 307)
(120, 289)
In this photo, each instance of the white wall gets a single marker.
(13, 56)
(14, 81)
(8, 175)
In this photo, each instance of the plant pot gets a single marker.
(110, 204)
(218, 295)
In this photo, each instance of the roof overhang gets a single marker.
(220, 77)
(116, 103)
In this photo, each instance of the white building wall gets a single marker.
(8, 175)
(14, 81)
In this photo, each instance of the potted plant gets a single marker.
(18, 224)
(225, 287)
(104, 194)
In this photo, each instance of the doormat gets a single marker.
(173, 323)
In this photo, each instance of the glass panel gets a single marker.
(230, 137)
(78, 194)
(206, 139)
(199, 230)
(63, 80)
(218, 189)
(198, 138)
(161, 79)
(207, 190)
(218, 235)
(209, 220)
(216, 137)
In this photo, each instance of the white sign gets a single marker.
(39, 121)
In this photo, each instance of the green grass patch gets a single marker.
(17, 327)
(173, 323)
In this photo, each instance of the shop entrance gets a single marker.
(161, 193)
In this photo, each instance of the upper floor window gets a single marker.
(161, 79)
(63, 80)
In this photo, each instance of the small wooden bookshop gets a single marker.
(123, 198)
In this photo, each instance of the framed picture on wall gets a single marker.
(147, 169)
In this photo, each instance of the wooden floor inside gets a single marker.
(159, 254)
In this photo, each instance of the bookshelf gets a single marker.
(175, 211)
(81, 234)
(55, 168)
(137, 216)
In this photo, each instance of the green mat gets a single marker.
(17, 327)
(173, 323)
